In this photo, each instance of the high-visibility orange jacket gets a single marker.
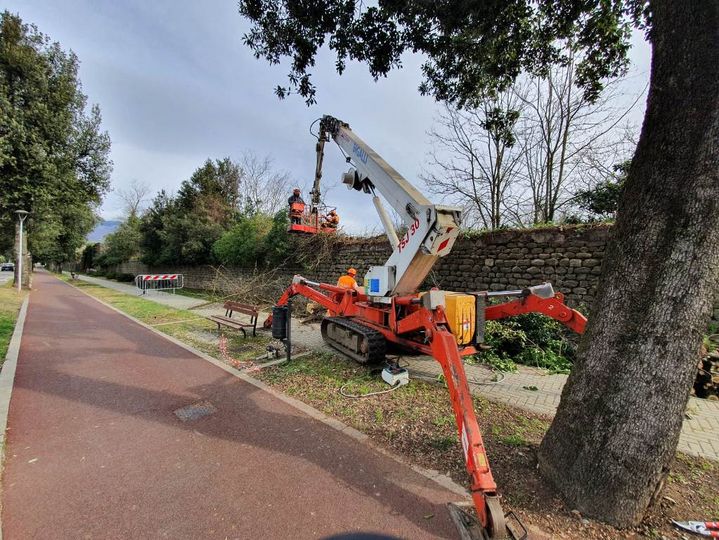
(347, 281)
(297, 208)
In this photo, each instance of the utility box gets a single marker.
(433, 299)
(379, 280)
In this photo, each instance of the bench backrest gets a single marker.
(239, 307)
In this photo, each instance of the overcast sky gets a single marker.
(176, 85)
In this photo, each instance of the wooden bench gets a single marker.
(237, 307)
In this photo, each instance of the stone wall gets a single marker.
(569, 257)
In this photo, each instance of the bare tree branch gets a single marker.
(134, 197)
(262, 189)
(474, 159)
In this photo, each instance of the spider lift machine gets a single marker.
(394, 313)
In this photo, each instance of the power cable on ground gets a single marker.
(380, 392)
(357, 396)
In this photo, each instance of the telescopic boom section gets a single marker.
(431, 229)
(320, 151)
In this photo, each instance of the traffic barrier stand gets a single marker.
(159, 282)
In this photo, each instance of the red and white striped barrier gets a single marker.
(159, 282)
(156, 277)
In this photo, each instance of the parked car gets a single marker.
(7, 267)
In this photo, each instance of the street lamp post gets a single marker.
(21, 214)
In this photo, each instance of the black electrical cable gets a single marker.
(357, 396)
(311, 125)
(372, 372)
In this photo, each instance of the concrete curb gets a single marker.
(7, 375)
(441, 479)
(7, 379)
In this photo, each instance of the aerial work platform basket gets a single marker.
(304, 221)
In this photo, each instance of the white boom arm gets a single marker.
(431, 229)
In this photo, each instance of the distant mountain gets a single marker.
(102, 229)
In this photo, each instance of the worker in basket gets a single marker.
(297, 206)
(348, 281)
(331, 220)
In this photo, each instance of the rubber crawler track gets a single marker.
(376, 341)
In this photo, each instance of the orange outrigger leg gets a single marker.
(437, 340)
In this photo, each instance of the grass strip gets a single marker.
(10, 303)
(182, 324)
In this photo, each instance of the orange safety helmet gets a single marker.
(352, 272)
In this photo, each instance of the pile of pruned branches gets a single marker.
(257, 286)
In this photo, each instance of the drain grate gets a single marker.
(195, 411)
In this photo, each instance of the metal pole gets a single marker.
(386, 222)
(21, 214)
(19, 259)
(289, 330)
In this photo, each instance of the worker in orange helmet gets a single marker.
(331, 220)
(297, 206)
(348, 281)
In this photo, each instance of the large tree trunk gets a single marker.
(617, 426)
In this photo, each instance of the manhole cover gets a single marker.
(195, 411)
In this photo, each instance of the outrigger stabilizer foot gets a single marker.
(504, 526)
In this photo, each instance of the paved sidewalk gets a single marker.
(700, 433)
(173, 300)
(106, 440)
(534, 391)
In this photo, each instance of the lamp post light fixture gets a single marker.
(21, 214)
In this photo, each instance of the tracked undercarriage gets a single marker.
(361, 343)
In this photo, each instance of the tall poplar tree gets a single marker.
(54, 157)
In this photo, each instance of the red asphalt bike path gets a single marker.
(95, 450)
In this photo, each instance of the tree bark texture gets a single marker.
(618, 423)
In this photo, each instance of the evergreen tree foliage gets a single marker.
(123, 244)
(182, 229)
(54, 157)
(277, 247)
(243, 244)
(602, 201)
